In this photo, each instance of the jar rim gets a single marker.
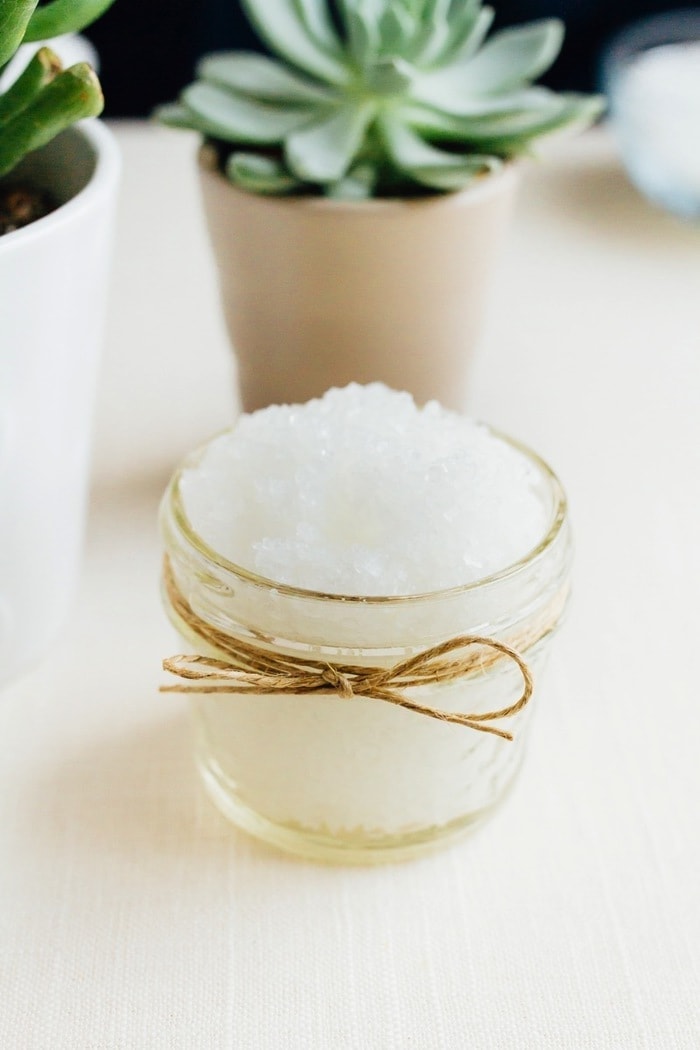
(173, 498)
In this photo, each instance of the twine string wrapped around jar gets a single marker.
(250, 669)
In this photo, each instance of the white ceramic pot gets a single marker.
(53, 282)
(318, 293)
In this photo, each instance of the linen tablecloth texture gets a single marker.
(133, 916)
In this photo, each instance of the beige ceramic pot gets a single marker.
(318, 293)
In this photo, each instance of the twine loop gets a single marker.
(251, 669)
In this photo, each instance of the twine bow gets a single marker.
(250, 669)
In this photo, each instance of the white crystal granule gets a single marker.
(362, 492)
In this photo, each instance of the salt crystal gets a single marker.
(362, 492)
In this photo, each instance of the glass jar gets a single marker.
(360, 779)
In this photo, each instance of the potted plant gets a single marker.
(57, 193)
(357, 187)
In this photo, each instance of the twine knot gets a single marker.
(338, 681)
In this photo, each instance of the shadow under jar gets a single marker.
(360, 780)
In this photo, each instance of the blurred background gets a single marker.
(148, 48)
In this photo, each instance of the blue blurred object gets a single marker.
(651, 76)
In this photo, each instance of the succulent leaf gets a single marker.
(430, 166)
(435, 34)
(389, 76)
(513, 57)
(323, 151)
(401, 94)
(458, 8)
(468, 31)
(396, 29)
(280, 25)
(533, 104)
(505, 134)
(504, 64)
(450, 178)
(174, 115)
(363, 37)
(576, 111)
(235, 118)
(482, 108)
(259, 174)
(315, 16)
(436, 10)
(357, 185)
(262, 78)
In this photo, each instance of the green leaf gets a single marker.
(363, 37)
(426, 164)
(280, 25)
(372, 9)
(260, 174)
(227, 116)
(509, 59)
(396, 29)
(72, 95)
(435, 32)
(389, 76)
(176, 116)
(323, 151)
(510, 131)
(473, 107)
(262, 77)
(357, 185)
(314, 14)
(458, 8)
(530, 103)
(578, 112)
(14, 19)
(42, 68)
(450, 179)
(436, 10)
(64, 16)
(427, 42)
(468, 31)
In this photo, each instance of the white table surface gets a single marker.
(133, 916)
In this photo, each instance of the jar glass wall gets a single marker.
(360, 779)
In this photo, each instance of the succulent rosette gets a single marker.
(377, 97)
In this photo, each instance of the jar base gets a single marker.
(328, 849)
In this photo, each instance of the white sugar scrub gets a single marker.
(363, 493)
(352, 533)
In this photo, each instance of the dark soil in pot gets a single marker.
(21, 204)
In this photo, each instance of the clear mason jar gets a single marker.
(361, 780)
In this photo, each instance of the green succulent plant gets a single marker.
(45, 98)
(376, 97)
